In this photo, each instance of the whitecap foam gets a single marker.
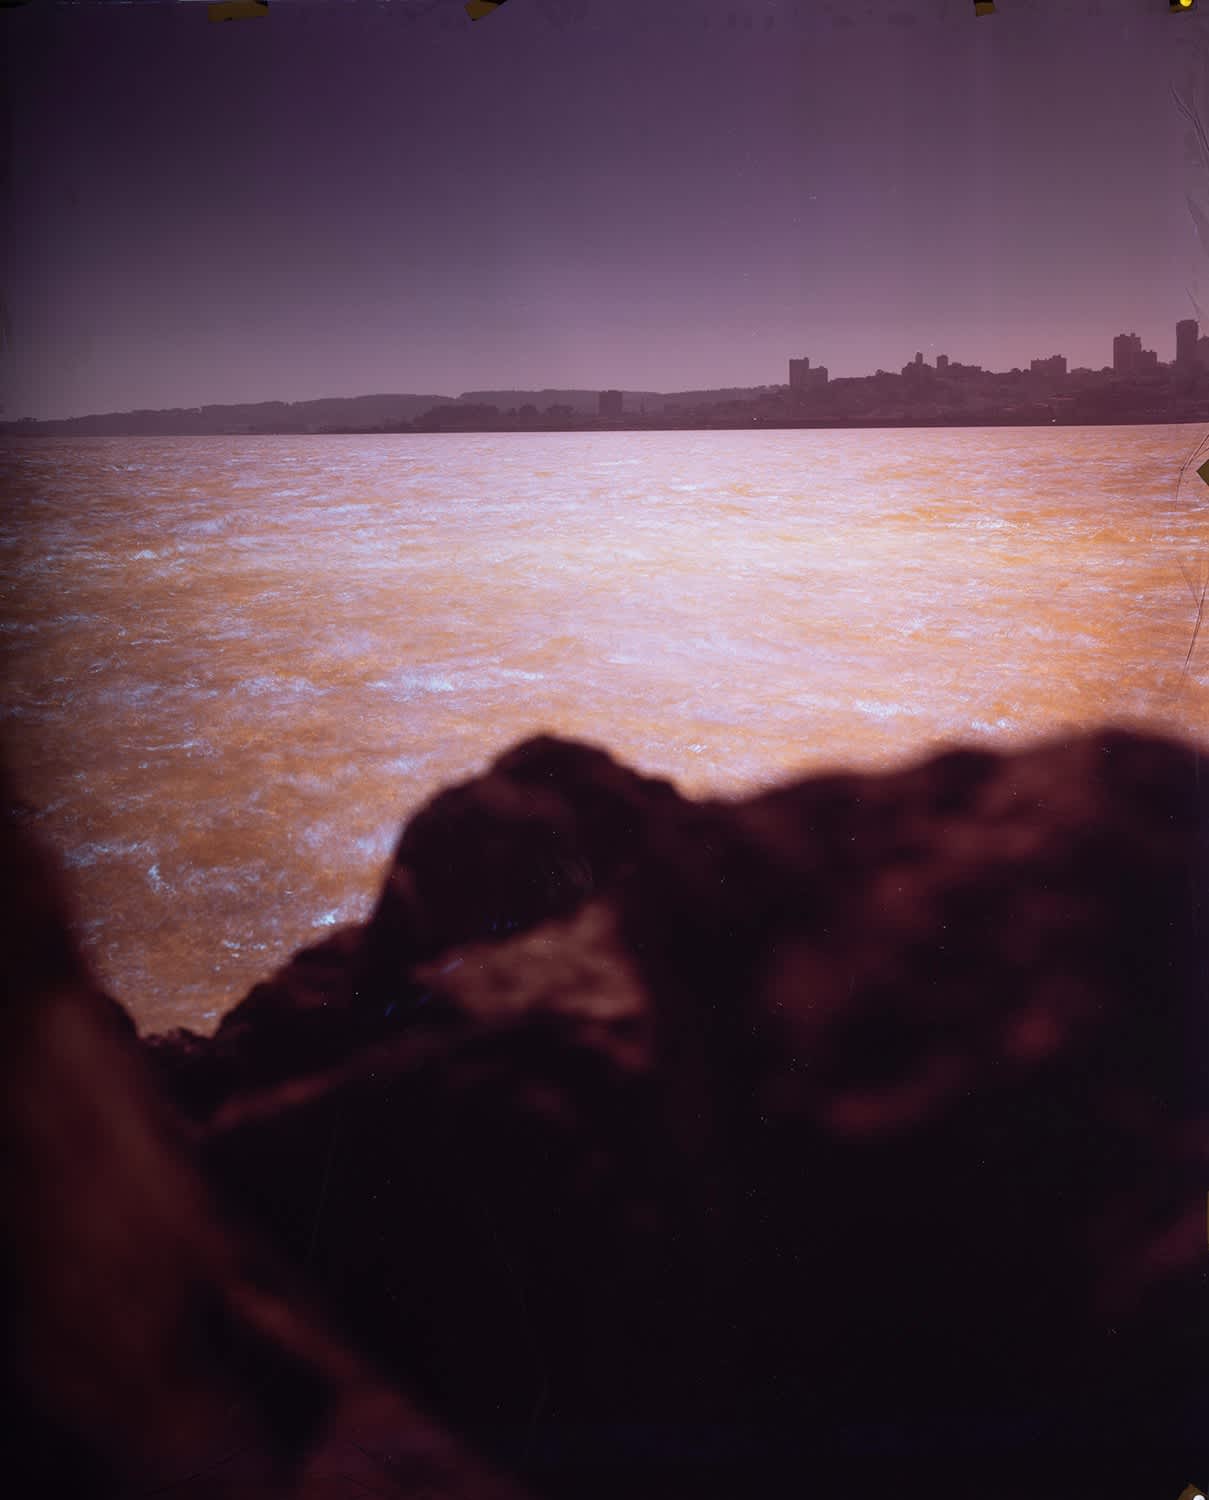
(88, 855)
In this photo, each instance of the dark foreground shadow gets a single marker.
(853, 1135)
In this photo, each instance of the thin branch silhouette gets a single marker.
(1199, 589)
(1196, 630)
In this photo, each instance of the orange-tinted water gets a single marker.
(233, 666)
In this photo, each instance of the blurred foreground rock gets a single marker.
(150, 1348)
(853, 1135)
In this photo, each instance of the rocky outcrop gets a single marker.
(857, 1131)
(151, 1347)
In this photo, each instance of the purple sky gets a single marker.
(355, 197)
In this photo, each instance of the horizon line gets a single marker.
(535, 390)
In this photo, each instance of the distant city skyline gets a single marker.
(1127, 357)
(581, 193)
(1126, 354)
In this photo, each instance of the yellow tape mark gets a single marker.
(238, 10)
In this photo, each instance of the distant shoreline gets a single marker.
(956, 397)
(759, 424)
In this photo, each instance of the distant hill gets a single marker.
(583, 403)
(351, 412)
(720, 396)
(586, 402)
(263, 416)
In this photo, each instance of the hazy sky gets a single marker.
(350, 196)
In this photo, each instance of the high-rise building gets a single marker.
(915, 369)
(610, 404)
(803, 378)
(1185, 342)
(1126, 353)
(1202, 351)
(942, 361)
(1053, 367)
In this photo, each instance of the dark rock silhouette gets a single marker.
(856, 1132)
(149, 1348)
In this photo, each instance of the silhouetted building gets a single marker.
(1202, 352)
(611, 404)
(1053, 368)
(803, 378)
(1185, 342)
(1126, 353)
(942, 362)
(1147, 362)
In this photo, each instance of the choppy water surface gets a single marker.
(233, 666)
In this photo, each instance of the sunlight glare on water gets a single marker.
(234, 666)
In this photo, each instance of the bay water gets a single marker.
(234, 666)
